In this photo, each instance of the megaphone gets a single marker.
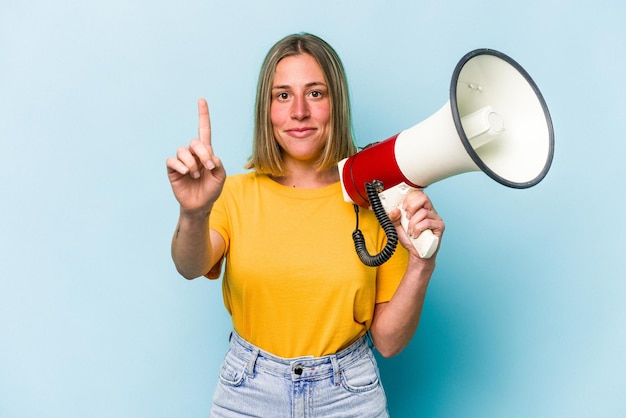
(496, 121)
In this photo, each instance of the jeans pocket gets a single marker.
(362, 375)
(233, 370)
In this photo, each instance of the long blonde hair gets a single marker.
(266, 154)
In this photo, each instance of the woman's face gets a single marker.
(300, 108)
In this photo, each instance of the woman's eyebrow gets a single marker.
(311, 84)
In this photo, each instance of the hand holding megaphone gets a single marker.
(496, 121)
(425, 243)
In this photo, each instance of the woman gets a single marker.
(300, 299)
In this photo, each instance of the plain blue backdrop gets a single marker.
(525, 314)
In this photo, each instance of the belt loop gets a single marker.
(336, 370)
(370, 340)
(252, 362)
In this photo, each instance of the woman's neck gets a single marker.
(308, 179)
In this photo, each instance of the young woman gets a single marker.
(301, 301)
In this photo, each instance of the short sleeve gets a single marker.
(390, 274)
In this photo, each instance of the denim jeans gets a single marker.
(254, 383)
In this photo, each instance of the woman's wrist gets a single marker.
(421, 267)
(195, 216)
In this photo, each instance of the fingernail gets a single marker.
(195, 174)
(209, 165)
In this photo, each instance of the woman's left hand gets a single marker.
(421, 214)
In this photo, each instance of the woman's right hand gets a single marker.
(196, 174)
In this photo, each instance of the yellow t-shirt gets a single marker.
(293, 283)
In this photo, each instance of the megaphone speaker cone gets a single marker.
(522, 153)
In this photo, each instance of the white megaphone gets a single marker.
(496, 121)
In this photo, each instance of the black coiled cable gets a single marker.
(385, 254)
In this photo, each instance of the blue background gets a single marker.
(525, 314)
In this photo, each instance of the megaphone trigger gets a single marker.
(427, 242)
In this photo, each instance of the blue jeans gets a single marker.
(254, 383)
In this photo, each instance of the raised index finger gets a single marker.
(204, 122)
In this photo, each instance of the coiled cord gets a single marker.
(385, 254)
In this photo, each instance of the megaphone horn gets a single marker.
(496, 121)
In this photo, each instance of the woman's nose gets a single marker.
(300, 108)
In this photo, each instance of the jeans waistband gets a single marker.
(298, 368)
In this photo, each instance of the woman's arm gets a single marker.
(197, 177)
(396, 321)
(196, 248)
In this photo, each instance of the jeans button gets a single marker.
(298, 370)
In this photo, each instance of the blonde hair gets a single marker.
(266, 154)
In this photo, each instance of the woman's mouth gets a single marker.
(301, 132)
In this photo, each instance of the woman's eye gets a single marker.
(316, 93)
(282, 96)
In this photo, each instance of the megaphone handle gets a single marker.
(426, 243)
